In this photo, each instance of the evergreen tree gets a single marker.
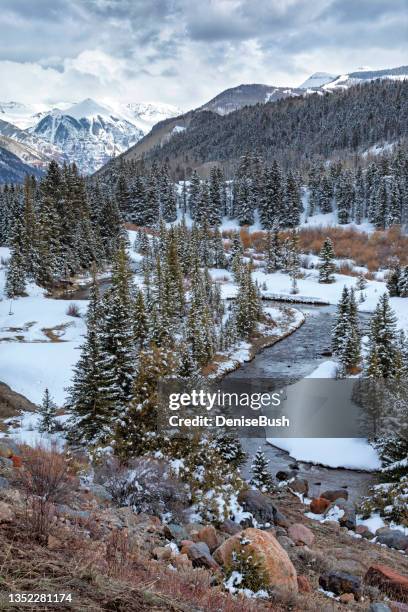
(394, 280)
(383, 350)
(261, 477)
(89, 406)
(48, 411)
(326, 266)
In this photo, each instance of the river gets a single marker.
(294, 357)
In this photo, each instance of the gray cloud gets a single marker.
(125, 47)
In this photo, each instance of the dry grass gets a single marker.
(375, 251)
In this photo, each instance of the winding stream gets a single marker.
(296, 357)
(293, 357)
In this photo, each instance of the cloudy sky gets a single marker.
(184, 52)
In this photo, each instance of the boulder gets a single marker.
(388, 580)
(199, 555)
(304, 585)
(228, 526)
(6, 466)
(208, 535)
(267, 551)
(285, 542)
(379, 607)
(346, 598)
(176, 532)
(301, 535)
(364, 531)
(100, 492)
(335, 494)
(318, 505)
(185, 545)
(285, 475)
(348, 519)
(4, 483)
(341, 582)
(393, 538)
(162, 553)
(300, 485)
(6, 513)
(262, 508)
(8, 448)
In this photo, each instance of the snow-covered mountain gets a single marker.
(30, 148)
(327, 82)
(12, 168)
(317, 79)
(90, 133)
(247, 95)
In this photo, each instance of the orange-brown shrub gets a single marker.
(376, 250)
(45, 480)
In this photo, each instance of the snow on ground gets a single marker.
(24, 430)
(29, 361)
(30, 368)
(350, 453)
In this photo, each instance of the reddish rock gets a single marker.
(301, 535)
(208, 535)
(318, 505)
(304, 584)
(363, 530)
(388, 580)
(230, 527)
(346, 598)
(265, 548)
(185, 545)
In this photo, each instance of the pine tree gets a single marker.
(403, 283)
(89, 406)
(341, 326)
(248, 307)
(194, 195)
(383, 349)
(326, 267)
(273, 251)
(15, 279)
(261, 477)
(394, 280)
(361, 282)
(48, 412)
(118, 343)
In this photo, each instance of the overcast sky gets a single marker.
(184, 52)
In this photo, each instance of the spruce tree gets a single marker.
(383, 350)
(48, 412)
(261, 477)
(326, 266)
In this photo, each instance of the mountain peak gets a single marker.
(87, 108)
(317, 79)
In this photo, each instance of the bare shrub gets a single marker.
(144, 484)
(73, 310)
(45, 481)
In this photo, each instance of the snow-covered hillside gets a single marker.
(317, 80)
